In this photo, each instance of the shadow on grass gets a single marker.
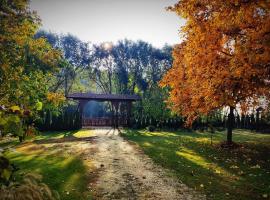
(66, 175)
(60, 165)
(65, 139)
(61, 137)
(56, 134)
(207, 168)
(8, 144)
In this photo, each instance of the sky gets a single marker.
(98, 21)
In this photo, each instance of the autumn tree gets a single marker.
(224, 59)
(26, 66)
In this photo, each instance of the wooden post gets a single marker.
(129, 107)
(116, 107)
(82, 103)
(112, 119)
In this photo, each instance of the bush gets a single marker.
(6, 170)
(11, 123)
(151, 128)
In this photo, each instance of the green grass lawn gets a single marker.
(62, 168)
(242, 173)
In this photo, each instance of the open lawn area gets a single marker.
(62, 158)
(57, 156)
(242, 173)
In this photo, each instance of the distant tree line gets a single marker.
(127, 67)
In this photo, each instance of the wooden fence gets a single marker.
(104, 121)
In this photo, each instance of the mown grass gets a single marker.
(242, 173)
(61, 167)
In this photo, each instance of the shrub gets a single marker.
(11, 123)
(6, 170)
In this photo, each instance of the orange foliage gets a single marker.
(55, 98)
(224, 59)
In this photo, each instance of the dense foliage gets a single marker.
(26, 67)
(223, 60)
(66, 64)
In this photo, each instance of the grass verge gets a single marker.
(57, 157)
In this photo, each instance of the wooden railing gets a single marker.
(103, 121)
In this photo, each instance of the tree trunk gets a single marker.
(230, 125)
(257, 120)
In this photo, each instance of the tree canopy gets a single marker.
(224, 59)
(26, 64)
(126, 67)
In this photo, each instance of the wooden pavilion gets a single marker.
(115, 99)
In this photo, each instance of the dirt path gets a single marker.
(124, 172)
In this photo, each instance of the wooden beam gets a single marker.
(115, 114)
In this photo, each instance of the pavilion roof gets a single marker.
(103, 97)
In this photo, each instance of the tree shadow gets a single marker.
(65, 174)
(196, 162)
(69, 138)
(8, 144)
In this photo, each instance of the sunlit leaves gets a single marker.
(25, 62)
(39, 105)
(25, 65)
(15, 108)
(55, 98)
(224, 59)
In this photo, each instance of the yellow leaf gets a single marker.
(15, 108)
(6, 174)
